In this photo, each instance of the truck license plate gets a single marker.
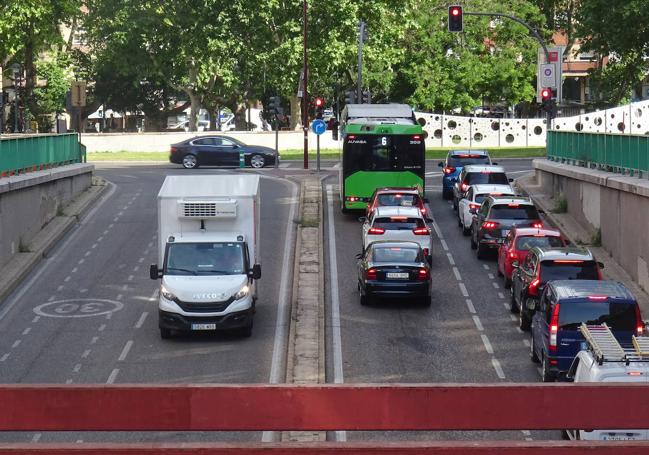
(397, 275)
(203, 326)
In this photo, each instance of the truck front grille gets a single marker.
(205, 307)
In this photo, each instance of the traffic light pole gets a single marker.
(359, 78)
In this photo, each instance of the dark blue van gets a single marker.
(455, 161)
(564, 305)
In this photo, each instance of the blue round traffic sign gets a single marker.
(318, 127)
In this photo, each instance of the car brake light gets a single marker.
(370, 274)
(567, 261)
(421, 231)
(174, 149)
(423, 274)
(376, 231)
(449, 170)
(425, 252)
(496, 194)
(398, 218)
(554, 328)
(485, 172)
(533, 288)
(353, 198)
(351, 137)
(634, 373)
(473, 206)
(597, 297)
(513, 255)
(416, 138)
(513, 205)
(537, 225)
(464, 186)
(639, 324)
(490, 225)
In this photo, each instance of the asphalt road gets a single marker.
(88, 314)
(467, 335)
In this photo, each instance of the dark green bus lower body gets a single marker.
(358, 187)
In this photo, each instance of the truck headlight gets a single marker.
(242, 293)
(166, 294)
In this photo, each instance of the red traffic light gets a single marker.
(455, 11)
(546, 94)
(455, 20)
(319, 102)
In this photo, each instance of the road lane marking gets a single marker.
(110, 226)
(527, 343)
(456, 272)
(501, 295)
(36, 318)
(436, 228)
(4, 357)
(116, 219)
(94, 245)
(495, 285)
(469, 304)
(284, 165)
(86, 353)
(513, 317)
(490, 275)
(478, 323)
(450, 258)
(109, 315)
(105, 232)
(94, 340)
(444, 245)
(60, 288)
(68, 381)
(102, 327)
(67, 278)
(74, 270)
(76, 368)
(487, 344)
(141, 320)
(51, 298)
(113, 376)
(16, 343)
(141, 260)
(119, 297)
(37, 437)
(506, 305)
(463, 290)
(81, 261)
(88, 253)
(130, 278)
(498, 368)
(125, 351)
(99, 239)
(486, 266)
(125, 287)
(27, 330)
(136, 268)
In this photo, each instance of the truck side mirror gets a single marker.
(154, 272)
(255, 272)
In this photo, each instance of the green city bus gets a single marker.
(383, 146)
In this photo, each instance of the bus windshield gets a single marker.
(383, 153)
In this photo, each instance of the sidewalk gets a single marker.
(25, 261)
(576, 233)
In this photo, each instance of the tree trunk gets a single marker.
(296, 113)
(195, 109)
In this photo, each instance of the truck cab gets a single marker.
(208, 253)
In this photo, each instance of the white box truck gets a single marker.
(208, 253)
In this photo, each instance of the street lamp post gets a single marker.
(16, 70)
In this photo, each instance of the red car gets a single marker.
(518, 242)
(396, 197)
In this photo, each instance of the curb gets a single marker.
(22, 264)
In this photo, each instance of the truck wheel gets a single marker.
(166, 334)
(190, 161)
(546, 374)
(533, 357)
(523, 318)
(257, 161)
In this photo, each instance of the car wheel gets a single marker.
(480, 251)
(246, 331)
(166, 334)
(523, 318)
(466, 231)
(190, 161)
(454, 204)
(474, 245)
(498, 271)
(425, 301)
(507, 283)
(459, 221)
(512, 302)
(257, 161)
(533, 357)
(364, 299)
(546, 374)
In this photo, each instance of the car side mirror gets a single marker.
(255, 272)
(154, 272)
(235, 146)
(440, 164)
(515, 264)
(362, 219)
(429, 220)
(541, 211)
(494, 164)
(601, 264)
(359, 256)
(510, 180)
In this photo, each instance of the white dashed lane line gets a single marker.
(86, 353)
(36, 318)
(140, 321)
(526, 343)
(76, 368)
(487, 344)
(501, 295)
(4, 357)
(102, 327)
(463, 290)
(490, 275)
(113, 376)
(74, 270)
(478, 323)
(486, 266)
(506, 305)
(27, 330)
(469, 304)
(450, 258)
(456, 272)
(16, 343)
(498, 368)
(495, 285)
(444, 245)
(37, 437)
(94, 340)
(125, 351)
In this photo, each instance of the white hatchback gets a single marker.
(473, 199)
(398, 223)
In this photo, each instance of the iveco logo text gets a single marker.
(206, 296)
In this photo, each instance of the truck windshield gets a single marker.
(225, 258)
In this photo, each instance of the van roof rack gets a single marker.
(606, 348)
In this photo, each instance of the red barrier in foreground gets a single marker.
(331, 407)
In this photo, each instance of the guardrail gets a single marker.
(622, 153)
(24, 154)
(430, 407)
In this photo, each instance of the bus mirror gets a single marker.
(421, 121)
(424, 135)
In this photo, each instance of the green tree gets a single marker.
(50, 97)
(619, 33)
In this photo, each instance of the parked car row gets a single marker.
(555, 287)
(397, 247)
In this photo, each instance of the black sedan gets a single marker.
(393, 269)
(220, 150)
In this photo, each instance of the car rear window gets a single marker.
(395, 254)
(403, 200)
(459, 160)
(513, 212)
(399, 223)
(479, 198)
(618, 316)
(486, 178)
(557, 270)
(525, 242)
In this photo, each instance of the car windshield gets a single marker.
(205, 259)
(618, 316)
(557, 270)
(486, 178)
(465, 160)
(514, 212)
(399, 223)
(398, 199)
(525, 242)
(395, 254)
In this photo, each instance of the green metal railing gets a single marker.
(20, 155)
(624, 154)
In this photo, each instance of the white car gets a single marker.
(398, 223)
(473, 199)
